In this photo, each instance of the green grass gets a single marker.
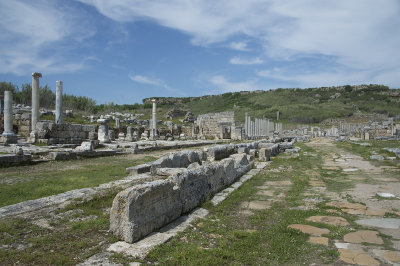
(57, 177)
(227, 237)
(67, 243)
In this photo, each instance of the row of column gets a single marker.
(257, 128)
(8, 133)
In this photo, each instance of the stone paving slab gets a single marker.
(309, 229)
(331, 220)
(387, 223)
(320, 240)
(389, 256)
(357, 257)
(362, 236)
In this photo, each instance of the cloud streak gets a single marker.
(245, 61)
(146, 80)
(32, 36)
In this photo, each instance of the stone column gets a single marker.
(245, 124)
(59, 93)
(249, 126)
(129, 134)
(8, 135)
(103, 133)
(35, 99)
(117, 122)
(153, 133)
(391, 121)
(8, 113)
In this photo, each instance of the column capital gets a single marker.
(36, 75)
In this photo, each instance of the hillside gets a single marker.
(295, 105)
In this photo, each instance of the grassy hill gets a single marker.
(295, 105)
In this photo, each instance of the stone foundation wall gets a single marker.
(52, 133)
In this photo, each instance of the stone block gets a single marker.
(138, 169)
(164, 161)
(85, 147)
(253, 152)
(93, 135)
(220, 152)
(59, 156)
(42, 125)
(193, 188)
(243, 150)
(139, 210)
(241, 164)
(89, 128)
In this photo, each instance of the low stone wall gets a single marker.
(192, 177)
(52, 133)
(139, 210)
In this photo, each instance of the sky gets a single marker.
(122, 51)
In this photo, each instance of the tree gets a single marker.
(7, 86)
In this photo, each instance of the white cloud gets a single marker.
(240, 46)
(155, 82)
(359, 35)
(33, 36)
(146, 80)
(245, 61)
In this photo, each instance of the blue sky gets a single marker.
(122, 51)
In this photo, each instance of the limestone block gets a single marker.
(138, 169)
(139, 210)
(193, 187)
(219, 152)
(241, 164)
(164, 161)
(85, 146)
(18, 150)
(264, 154)
(42, 134)
(111, 134)
(58, 156)
(26, 116)
(228, 171)
(243, 150)
(253, 152)
(42, 125)
(89, 128)
(286, 145)
(93, 135)
(265, 145)
(75, 127)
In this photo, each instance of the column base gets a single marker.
(32, 137)
(9, 138)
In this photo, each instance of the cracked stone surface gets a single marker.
(331, 220)
(309, 229)
(362, 236)
(389, 256)
(357, 257)
(320, 240)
